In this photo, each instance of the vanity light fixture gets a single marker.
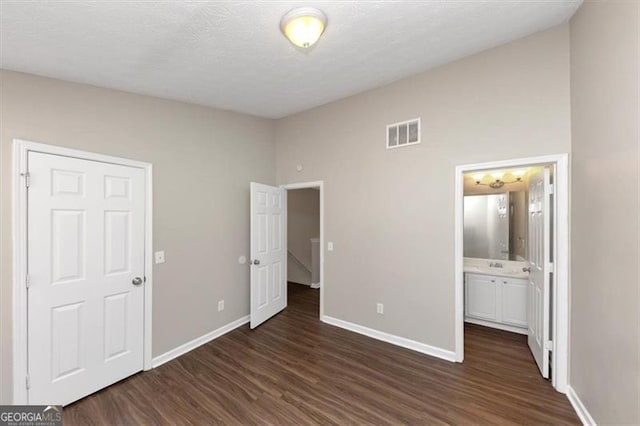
(303, 26)
(478, 177)
(498, 181)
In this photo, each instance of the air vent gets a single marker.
(404, 133)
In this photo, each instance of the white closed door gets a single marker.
(538, 300)
(268, 252)
(85, 271)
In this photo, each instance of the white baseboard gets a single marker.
(315, 285)
(199, 341)
(394, 340)
(581, 410)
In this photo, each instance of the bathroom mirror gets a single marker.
(495, 226)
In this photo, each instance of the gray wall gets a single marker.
(605, 315)
(390, 213)
(303, 223)
(201, 192)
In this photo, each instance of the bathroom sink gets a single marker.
(512, 272)
(508, 269)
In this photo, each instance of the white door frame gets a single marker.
(21, 149)
(319, 184)
(560, 308)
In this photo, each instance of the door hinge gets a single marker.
(27, 281)
(551, 189)
(27, 179)
(548, 345)
(27, 381)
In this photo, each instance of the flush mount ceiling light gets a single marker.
(303, 26)
(498, 181)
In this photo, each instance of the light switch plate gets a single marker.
(221, 305)
(380, 308)
(330, 246)
(159, 257)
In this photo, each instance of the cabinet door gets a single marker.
(514, 301)
(481, 297)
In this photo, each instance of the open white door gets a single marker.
(86, 276)
(268, 252)
(538, 301)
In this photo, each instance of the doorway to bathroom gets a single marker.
(511, 250)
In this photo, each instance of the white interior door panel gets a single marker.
(268, 252)
(85, 248)
(538, 298)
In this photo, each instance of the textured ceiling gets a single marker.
(231, 54)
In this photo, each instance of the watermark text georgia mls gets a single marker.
(30, 415)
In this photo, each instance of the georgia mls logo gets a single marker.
(52, 410)
(30, 415)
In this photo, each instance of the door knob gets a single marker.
(526, 269)
(136, 281)
(256, 262)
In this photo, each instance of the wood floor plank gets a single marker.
(294, 369)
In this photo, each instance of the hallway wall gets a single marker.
(303, 217)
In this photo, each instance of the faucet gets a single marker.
(495, 265)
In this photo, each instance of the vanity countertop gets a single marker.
(510, 268)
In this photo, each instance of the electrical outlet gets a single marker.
(221, 305)
(380, 308)
(160, 257)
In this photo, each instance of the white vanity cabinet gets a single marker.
(481, 301)
(496, 301)
(514, 301)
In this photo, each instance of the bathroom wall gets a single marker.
(518, 191)
(519, 225)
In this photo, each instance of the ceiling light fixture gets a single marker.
(303, 26)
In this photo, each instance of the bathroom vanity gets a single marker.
(496, 294)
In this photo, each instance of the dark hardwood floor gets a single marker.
(296, 370)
